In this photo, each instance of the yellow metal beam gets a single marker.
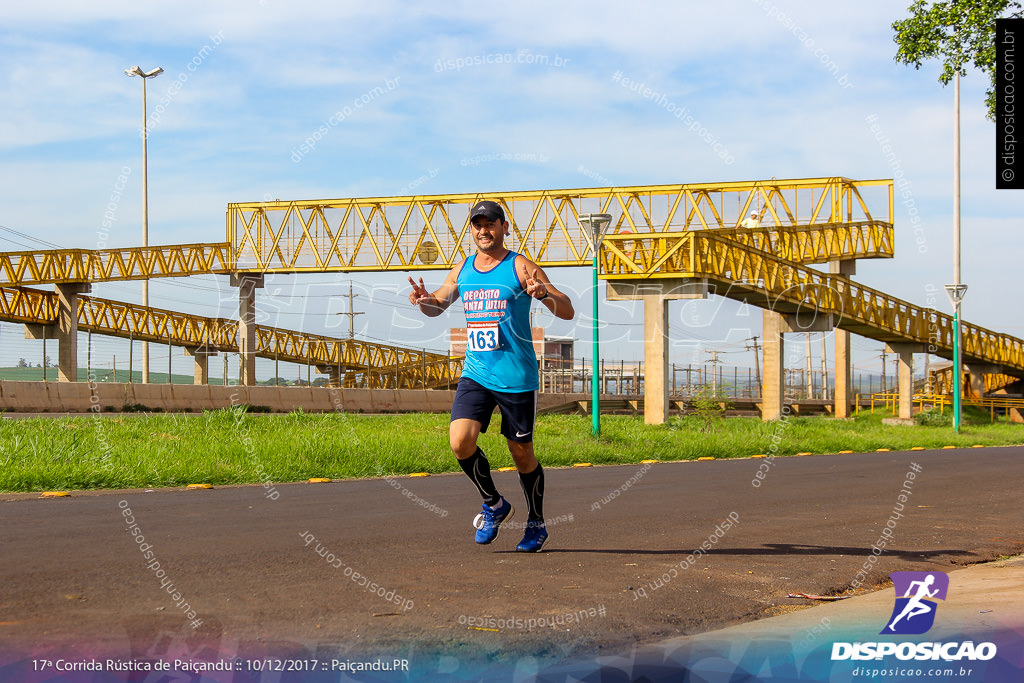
(382, 365)
(828, 217)
(942, 381)
(763, 279)
(23, 305)
(136, 263)
(806, 222)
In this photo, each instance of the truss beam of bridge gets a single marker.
(805, 220)
(360, 363)
(772, 283)
(18, 268)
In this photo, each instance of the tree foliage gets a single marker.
(959, 33)
(709, 406)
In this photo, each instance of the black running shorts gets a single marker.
(518, 410)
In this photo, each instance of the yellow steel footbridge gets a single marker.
(665, 242)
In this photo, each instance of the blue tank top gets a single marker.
(499, 345)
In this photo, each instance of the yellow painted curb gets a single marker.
(647, 462)
(199, 486)
(882, 450)
(945, 447)
(54, 494)
(706, 457)
(978, 445)
(419, 474)
(319, 480)
(506, 469)
(807, 453)
(762, 455)
(582, 464)
(917, 448)
(846, 451)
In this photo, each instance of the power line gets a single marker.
(29, 237)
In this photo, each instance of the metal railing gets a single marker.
(994, 405)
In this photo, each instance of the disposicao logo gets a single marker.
(914, 613)
(917, 594)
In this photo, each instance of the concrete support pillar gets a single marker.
(655, 359)
(773, 374)
(975, 383)
(773, 366)
(906, 376)
(843, 383)
(247, 285)
(656, 294)
(333, 373)
(66, 329)
(201, 374)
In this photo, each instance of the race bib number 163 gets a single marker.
(482, 337)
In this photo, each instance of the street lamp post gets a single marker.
(597, 224)
(956, 294)
(136, 71)
(956, 290)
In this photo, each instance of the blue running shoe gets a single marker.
(533, 539)
(489, 521)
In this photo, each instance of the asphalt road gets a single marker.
(75, 579)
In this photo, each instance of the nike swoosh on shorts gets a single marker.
(521, 435)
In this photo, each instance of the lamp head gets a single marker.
(137, 71)
(597, 222)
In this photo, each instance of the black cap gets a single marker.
(489, 210)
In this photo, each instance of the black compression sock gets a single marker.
(478, 469)
(533, 487)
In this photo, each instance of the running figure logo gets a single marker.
(914, 612)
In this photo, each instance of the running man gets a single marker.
(497, 287)
(916, 604)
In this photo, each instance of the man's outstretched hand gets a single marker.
(419, 294)
(534, 287)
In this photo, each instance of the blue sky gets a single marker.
(478, 97)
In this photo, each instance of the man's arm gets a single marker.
(433, 305)
(536, 283)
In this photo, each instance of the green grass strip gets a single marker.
(234, 447)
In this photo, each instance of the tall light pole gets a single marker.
(136, 71)
(597, 223)
(956, 290)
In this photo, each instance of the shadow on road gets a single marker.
(771, 549)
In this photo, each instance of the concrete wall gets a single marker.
(80, 397)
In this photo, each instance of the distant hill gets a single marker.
(100, 375)
(105, 375)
